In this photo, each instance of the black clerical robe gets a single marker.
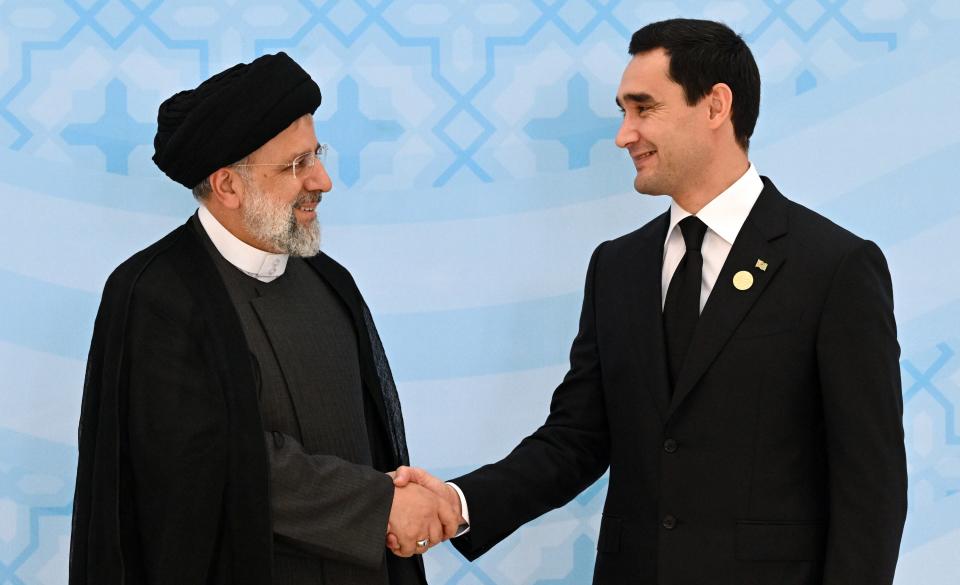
(202, 433)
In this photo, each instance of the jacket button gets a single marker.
(670, 446)
(669, 522)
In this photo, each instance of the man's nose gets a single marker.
(317, 179)
(626, 135)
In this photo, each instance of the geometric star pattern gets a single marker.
(460, 133)
(115, 133)
(351, 131)
(578, 128)
(352, 22)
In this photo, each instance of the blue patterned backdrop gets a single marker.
(474, 172)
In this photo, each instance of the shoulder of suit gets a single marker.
(819, 234)
(653, 231)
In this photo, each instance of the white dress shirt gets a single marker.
(724, 216)
(264, 266)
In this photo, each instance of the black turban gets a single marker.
(230, 115)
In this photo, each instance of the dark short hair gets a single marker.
(703, 53)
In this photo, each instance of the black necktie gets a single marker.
(682, 306)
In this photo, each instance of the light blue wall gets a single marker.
(475, 171)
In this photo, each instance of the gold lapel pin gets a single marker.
(742, 280)
(762, 265)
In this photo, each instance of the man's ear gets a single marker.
(720, 101)
(227, 188)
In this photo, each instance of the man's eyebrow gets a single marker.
(302, 152)
(640, 98)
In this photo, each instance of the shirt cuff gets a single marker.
(465, 527)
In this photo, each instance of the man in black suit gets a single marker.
(736, 366)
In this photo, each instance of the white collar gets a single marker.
(262, 265)
(727, 212)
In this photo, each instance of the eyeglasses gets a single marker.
(301, 164)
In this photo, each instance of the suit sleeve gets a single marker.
(559, 460)
(177, 427)
(858, 357)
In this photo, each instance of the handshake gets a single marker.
(425, 512)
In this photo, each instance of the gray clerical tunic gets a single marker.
(326, 501)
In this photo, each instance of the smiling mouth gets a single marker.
(309, 204)
(645, 155)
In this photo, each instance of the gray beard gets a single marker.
(274, 222)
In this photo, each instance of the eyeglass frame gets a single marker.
(318, 155)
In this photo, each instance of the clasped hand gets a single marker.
(424, 509)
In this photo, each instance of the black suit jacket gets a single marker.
(778, 460)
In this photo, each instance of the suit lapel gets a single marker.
(728, 305)
(644, 313)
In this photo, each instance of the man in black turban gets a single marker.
(239, 415)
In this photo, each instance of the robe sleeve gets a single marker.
(177, 437)
(326, 506)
